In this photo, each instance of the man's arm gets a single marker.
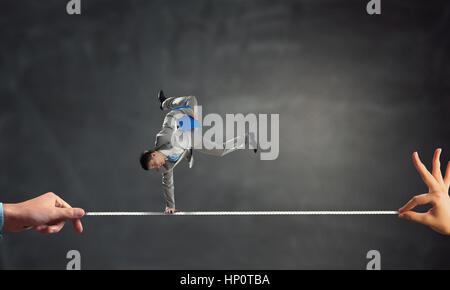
(438, 217)
(169, 191)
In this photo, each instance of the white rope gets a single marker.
(242, 213)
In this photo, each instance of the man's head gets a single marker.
(152, 159)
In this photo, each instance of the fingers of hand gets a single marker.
(41, 229)
(69, 213)
(437, 166)
(75, 221)
(171, 210)
(58, 218)
(427, 177)
(417, 200)
(447, 175)
(62, 203)
(49, 229)
(423, 218)
(77, 225)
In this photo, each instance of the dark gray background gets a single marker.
(356, 94)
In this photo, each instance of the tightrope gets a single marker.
(241, 213)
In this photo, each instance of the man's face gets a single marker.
(158, 160)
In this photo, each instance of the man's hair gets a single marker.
(146, 156)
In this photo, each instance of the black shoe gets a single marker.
(161, 98)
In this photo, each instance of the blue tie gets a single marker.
(173, 158)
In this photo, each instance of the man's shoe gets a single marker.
(161, 98)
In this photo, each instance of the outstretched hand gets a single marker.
(47, 214)
(438, 217)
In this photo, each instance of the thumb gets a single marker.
(423, 218)
(70, 213)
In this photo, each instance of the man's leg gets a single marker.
(222, 149)
(177, 102)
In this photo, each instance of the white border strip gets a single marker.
(242, 213)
